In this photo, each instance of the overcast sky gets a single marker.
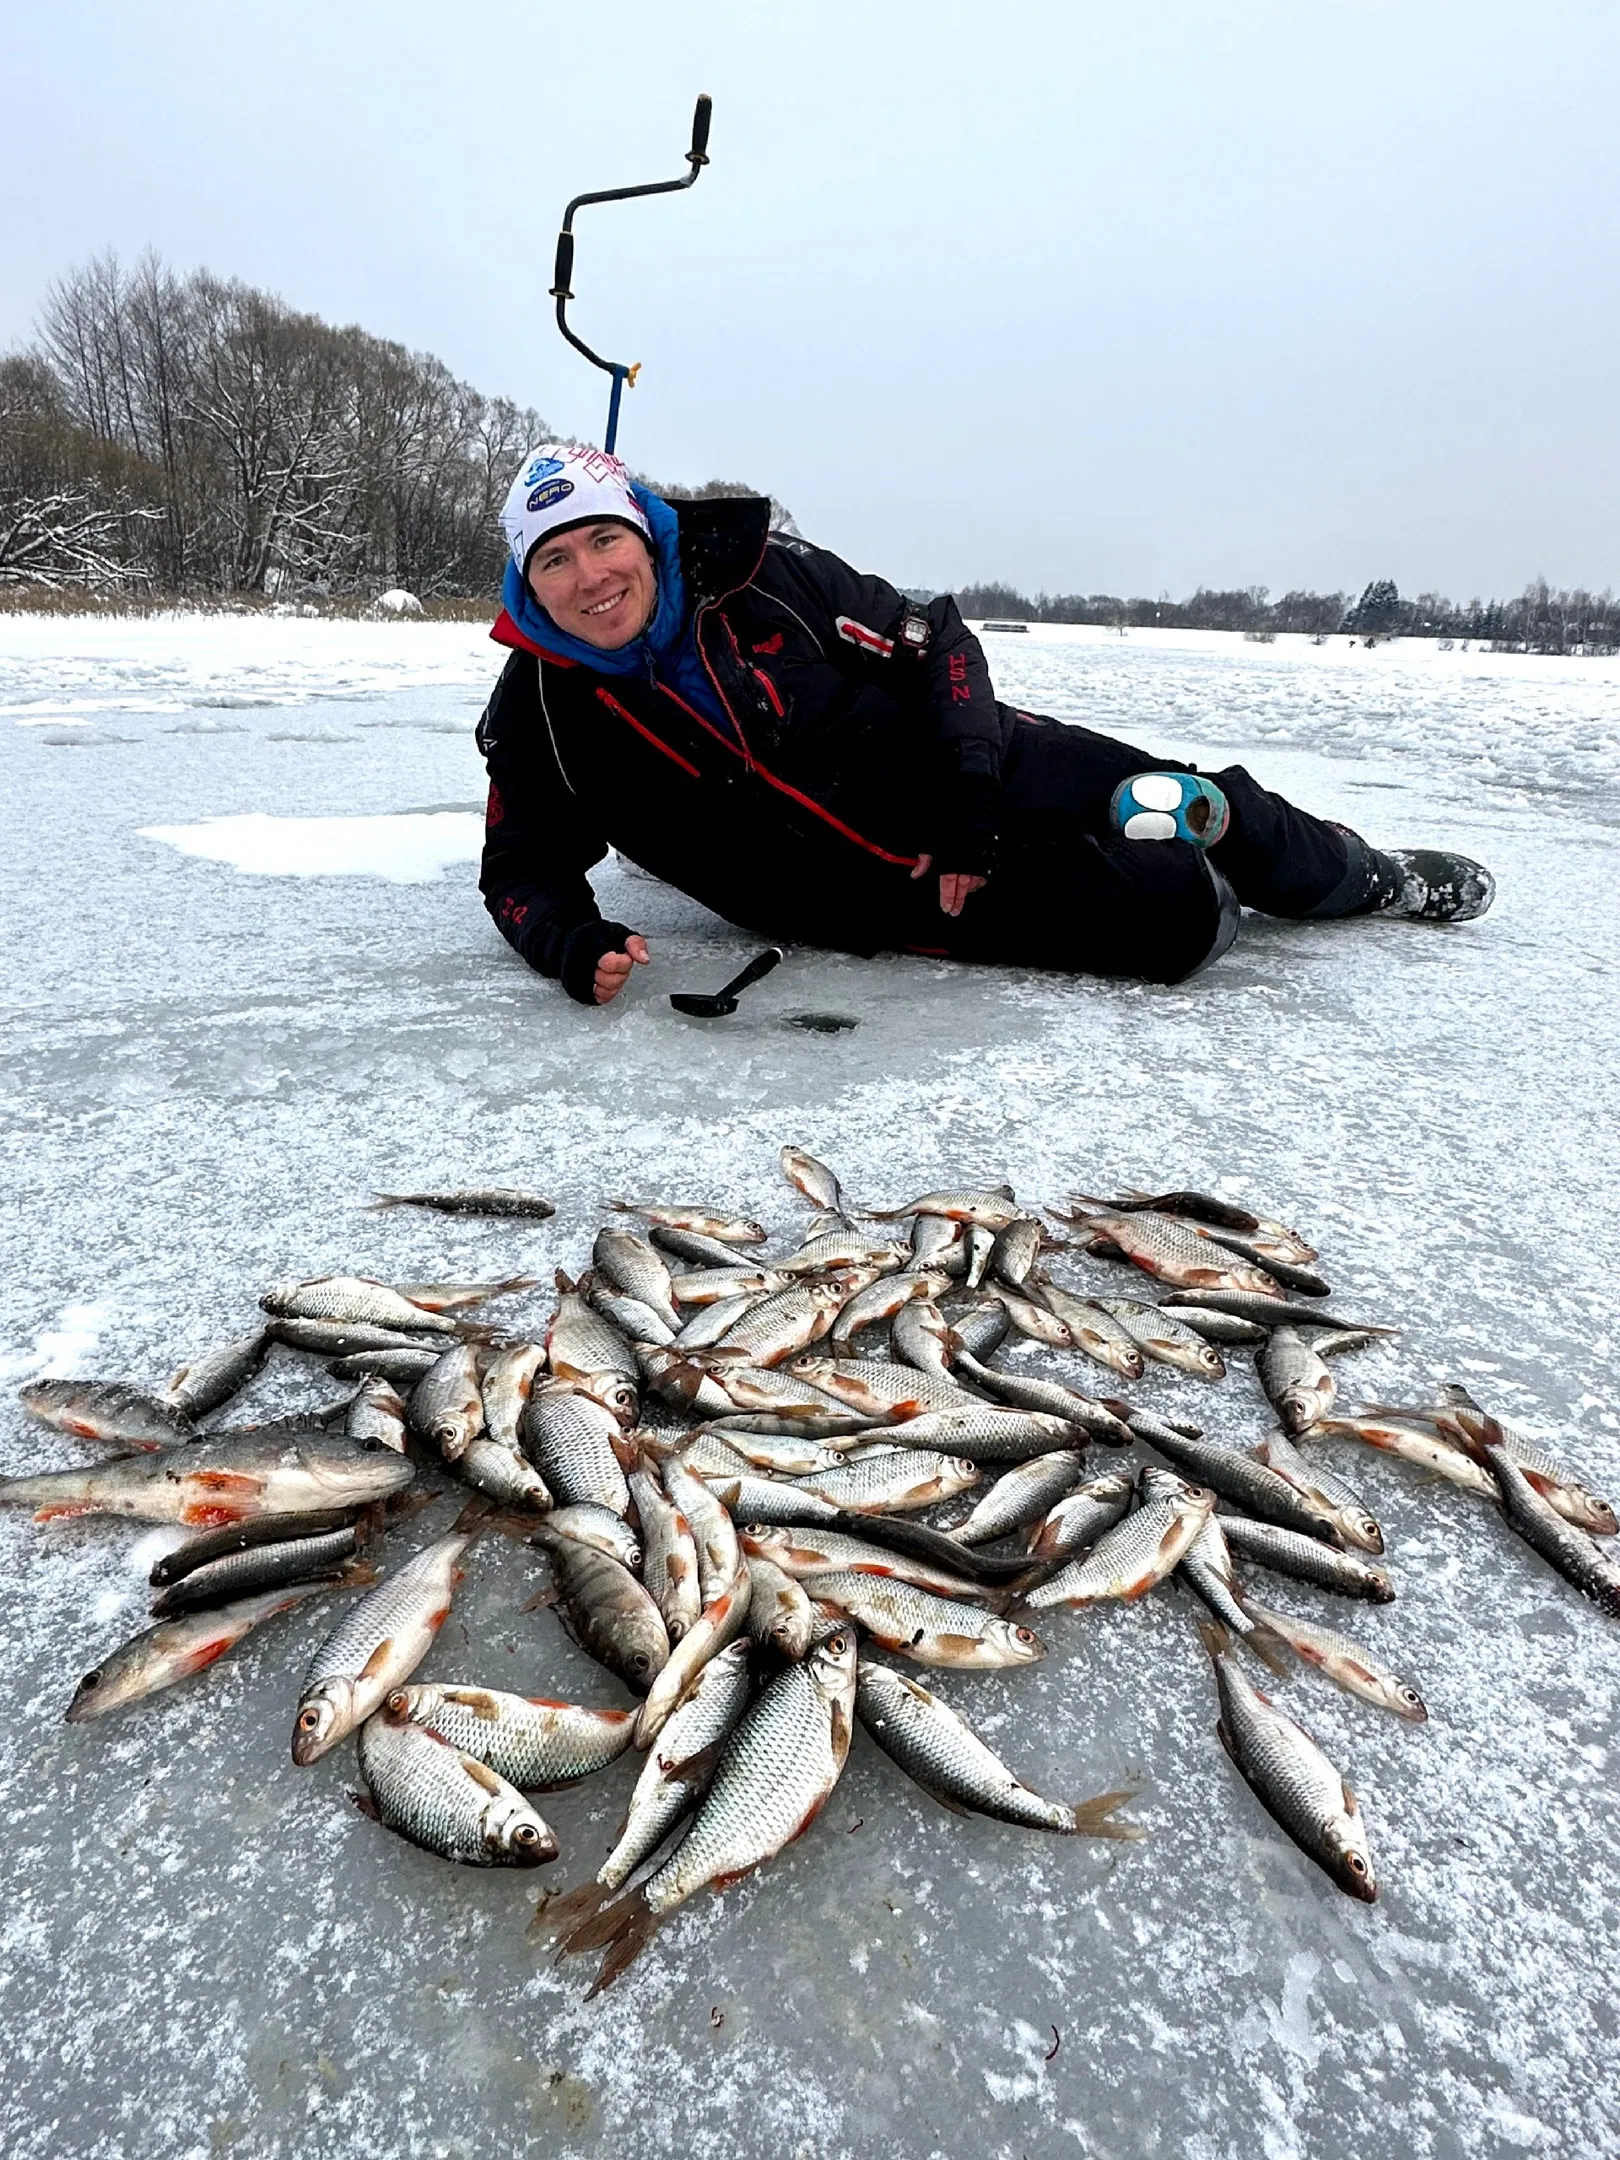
(1125, 297)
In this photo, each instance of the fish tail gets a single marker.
(1269, 1647)
(1215, 1638)
(566, 1909)
(386, 1200)
(1474, 1430)
(1097, 1817)
(621, 1930)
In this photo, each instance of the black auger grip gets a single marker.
(698, 154)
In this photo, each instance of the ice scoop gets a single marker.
(725, 1001)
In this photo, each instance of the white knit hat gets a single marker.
(567, 484)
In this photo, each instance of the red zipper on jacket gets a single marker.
(613, 705)
(782, 787)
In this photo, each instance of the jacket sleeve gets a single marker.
(859, 624)
(537, 845)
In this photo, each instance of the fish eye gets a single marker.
(837, 1644)
(1357, 1865)
(309, 1720)
(526, 1834)
(640, 1662)
(398, 1703)
(91, 1679)
(1410, 1695)
(1024, 1634)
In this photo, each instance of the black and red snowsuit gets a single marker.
(864, 732)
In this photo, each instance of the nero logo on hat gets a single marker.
(560, 485)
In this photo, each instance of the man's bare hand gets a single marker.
(953, 888)
(613, 969)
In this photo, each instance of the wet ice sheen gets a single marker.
(208, 1074)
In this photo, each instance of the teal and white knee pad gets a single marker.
(1170, 806)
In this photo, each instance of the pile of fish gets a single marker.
(742, 1502)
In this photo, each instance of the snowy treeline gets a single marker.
(1540, 620)
(191, 434)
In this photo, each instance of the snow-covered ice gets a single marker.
(210, 1069)
(408, 850)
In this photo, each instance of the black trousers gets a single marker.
(1070, 893)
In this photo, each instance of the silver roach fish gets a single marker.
(638, 1269)
(807, 1551)
(1166, 1248)
(1289, 1774)
(115, 1411)
(1166, 1338)
(426, 1790)
(776, 1775)
(1306, 1559)
(174, 1650)
(987, 1433)
(1095, 1419)
(376, 1646)
(678, 1771)
(605, 1608)
(940, 1751)
(1023, 1495)
(351, 1300)
(669, 1567)
(1342, 1661)
(533, 1742)
(933, 1630)
(1080, 1519)
(572, 1441)
(1298, 1383)
(992, 1210)
(328, 1557)
(446, 1409)
(779, 1610)
(1140, 1551)
(812, 1178)
(1353, 1521)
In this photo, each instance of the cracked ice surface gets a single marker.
(203, 1952)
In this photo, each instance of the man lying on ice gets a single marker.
(821, 761)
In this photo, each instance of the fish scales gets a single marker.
(1291, 1777)
(1128, 1560)
(450, 1804)
(1307, 1559)
(376, 1645)
(1021, 1496)
(531, 1741)
(947, 1632)
(569, 1437)
(259, 1567)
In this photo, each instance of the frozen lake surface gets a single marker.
(231, 1020)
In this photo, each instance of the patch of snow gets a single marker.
(408, 850)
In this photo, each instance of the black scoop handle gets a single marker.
(756, 971)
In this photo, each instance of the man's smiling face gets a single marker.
(596, 582)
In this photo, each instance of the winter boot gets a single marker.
(1427, 884)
